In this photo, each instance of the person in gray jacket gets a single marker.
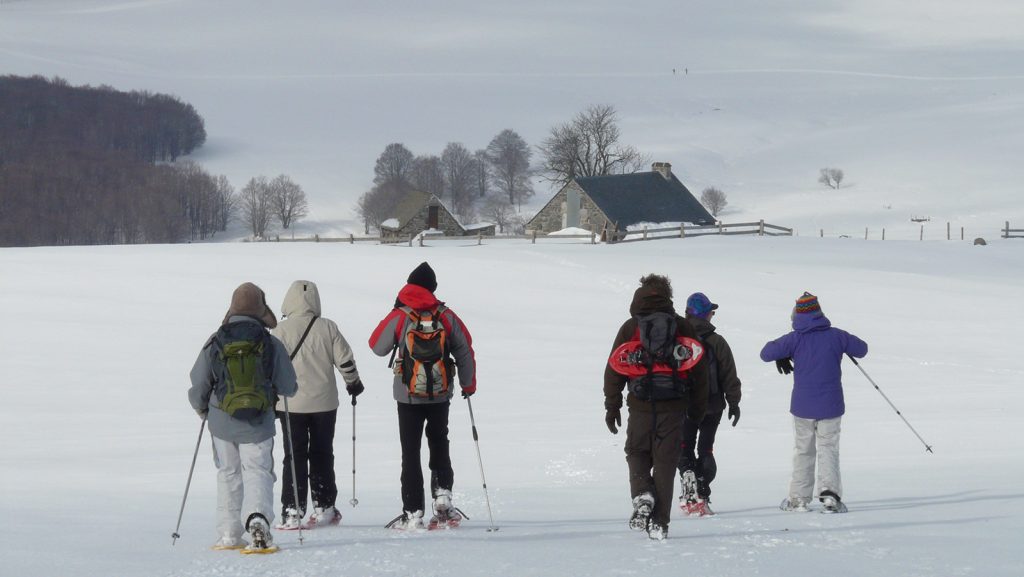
(242, 443)
(424, 393)
(317, 348)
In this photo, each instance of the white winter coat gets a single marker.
(323, 350)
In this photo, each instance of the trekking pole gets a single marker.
(175, 536)
(476, 439)
(353, 501)
(927, 447)
(291, 449)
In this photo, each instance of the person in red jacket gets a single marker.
(430, 342)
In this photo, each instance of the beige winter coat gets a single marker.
(323, 350)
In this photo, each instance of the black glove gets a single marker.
(355, 388)
(785, 366)
(467, 394)
(202, 413)
(734, 413)
(613, 417)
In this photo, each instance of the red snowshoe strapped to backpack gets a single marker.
(657, 360)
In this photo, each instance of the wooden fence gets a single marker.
(760, 228)
(1012, 232)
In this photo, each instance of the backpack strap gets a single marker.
(303, 339)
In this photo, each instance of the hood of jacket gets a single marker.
(648, 300)
(417, 298)
(806, 323)
(302, 298)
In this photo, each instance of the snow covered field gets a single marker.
(98, 434)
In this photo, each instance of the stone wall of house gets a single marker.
(445, 222)
(551, 217)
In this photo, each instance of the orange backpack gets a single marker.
(426, 364)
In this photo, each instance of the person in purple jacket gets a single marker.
(813, 352)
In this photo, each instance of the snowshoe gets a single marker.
(831, 503)
(227, 543)
(323, 517)
(291, 520)
(407, 521)
(699, 508)
(794, 504)
(643, 504)
(449, 519)
(657, 532)
(262, 540)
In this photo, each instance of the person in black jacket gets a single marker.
(653, 431)
(697, 467)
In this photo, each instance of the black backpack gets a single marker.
(657, 334)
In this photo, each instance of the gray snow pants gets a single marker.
(815, 440)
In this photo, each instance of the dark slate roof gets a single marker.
(643, 197)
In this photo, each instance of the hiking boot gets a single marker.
(831, 502)
(322, 517)
(657, 531)
(442, 501)
(796, 504)
(643, 504)
(259, 530)
(699, 508)
(229, 542)
(291, 520)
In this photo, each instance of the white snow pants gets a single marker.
(815, 440)
(245, 483)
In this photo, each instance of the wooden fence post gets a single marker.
(421, 238)
(822, 233)
(645, 232)
(479, 238)
(682, 230)
(948, 235)
(961, 233)
(883, 234)
(533, 237)
(351, 238)
(1006, 234)
(922, 233)
(721, 228)
(593, 237)
(760, 228)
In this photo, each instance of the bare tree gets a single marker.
(428, 175)
(457, 163)
(225, 201)
(509, 156)
(378, 204)
(498, 210)
(831, 177)
(481, 173)
(288, 200)
(255, 203)
(588, 146)
(714, 200)
(395, 164)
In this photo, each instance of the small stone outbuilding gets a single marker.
(420, 211)
(612, 203)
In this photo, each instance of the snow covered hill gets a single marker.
(98, 435)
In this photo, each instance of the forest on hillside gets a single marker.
(95, 165)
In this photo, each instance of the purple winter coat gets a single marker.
(817, 351)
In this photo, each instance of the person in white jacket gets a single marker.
(317, 347)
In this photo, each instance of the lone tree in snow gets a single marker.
(714, 200)
(288, 200)
(831, 177)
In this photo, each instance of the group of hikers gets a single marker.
(678, 373)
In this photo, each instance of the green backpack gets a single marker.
(246, 363)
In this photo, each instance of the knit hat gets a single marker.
(249, 300)
(699, 305)
(807, 304)
(423, 276)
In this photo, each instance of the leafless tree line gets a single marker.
(487, 182)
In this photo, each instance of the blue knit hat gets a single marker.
(699, 305)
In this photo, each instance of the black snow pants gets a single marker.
(313, 438)
(411, 420)
(700, 436)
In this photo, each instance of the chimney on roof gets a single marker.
(663, 168)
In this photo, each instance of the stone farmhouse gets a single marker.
(605, 204)
(420, 211)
